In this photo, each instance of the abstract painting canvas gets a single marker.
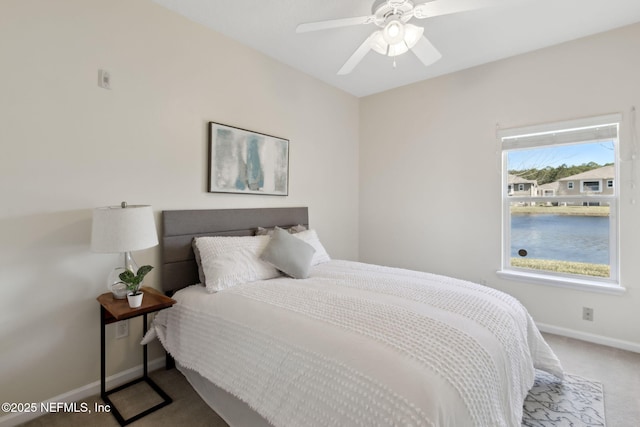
(242, 161)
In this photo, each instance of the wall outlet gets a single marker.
(587, 314)
(122, 329)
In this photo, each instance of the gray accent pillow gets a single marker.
(288, 254)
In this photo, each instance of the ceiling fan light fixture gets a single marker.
(393, 32)
(383, 48)
(379, 44)
(397, 49)
(411, 35)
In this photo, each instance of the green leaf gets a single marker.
(133, 281)
(142, 271)
(127, 276)
(133, 287)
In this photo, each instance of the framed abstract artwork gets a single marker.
(247, 162)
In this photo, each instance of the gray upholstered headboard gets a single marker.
(179, 227)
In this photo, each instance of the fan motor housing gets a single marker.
(382, 9)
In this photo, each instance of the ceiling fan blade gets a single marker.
(334, 23)
(358, 55)
(426, 52)
(446, 7)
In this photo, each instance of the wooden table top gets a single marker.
(118, 309)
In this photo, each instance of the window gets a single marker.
(590, 186)
(561, 233)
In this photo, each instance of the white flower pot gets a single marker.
(135, 301)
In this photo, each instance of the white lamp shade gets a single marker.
(408, 38)
(393, 32)
(116, 229)
(412, 34)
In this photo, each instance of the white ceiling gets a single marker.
(465, 39)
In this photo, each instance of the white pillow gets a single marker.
(196, 253)
(229, 261)
(311, 237)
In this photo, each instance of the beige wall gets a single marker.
(69, 146)
(445, 128)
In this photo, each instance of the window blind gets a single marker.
(592, 129)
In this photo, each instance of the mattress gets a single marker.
(233, 411)
(360, 344)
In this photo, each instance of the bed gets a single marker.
(346, 343)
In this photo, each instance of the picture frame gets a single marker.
(247, 162)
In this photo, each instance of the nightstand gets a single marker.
(113, 310)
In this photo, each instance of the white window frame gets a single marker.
(586, 130)
(584, 181)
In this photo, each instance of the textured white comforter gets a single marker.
(358, 344)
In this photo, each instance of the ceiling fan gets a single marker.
(396, 36)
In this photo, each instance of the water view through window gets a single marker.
(559, 200)
(581, 241)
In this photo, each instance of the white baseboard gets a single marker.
(585, 336)
(83, 392)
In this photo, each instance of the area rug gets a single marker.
(574, 402)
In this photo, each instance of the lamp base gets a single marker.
(117, 288)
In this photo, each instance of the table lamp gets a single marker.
(122, 229)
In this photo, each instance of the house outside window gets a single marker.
(559, 233)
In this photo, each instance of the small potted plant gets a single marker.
(133, 282)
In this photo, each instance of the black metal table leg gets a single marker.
(104, 394)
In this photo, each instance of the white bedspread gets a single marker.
(362, 345)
